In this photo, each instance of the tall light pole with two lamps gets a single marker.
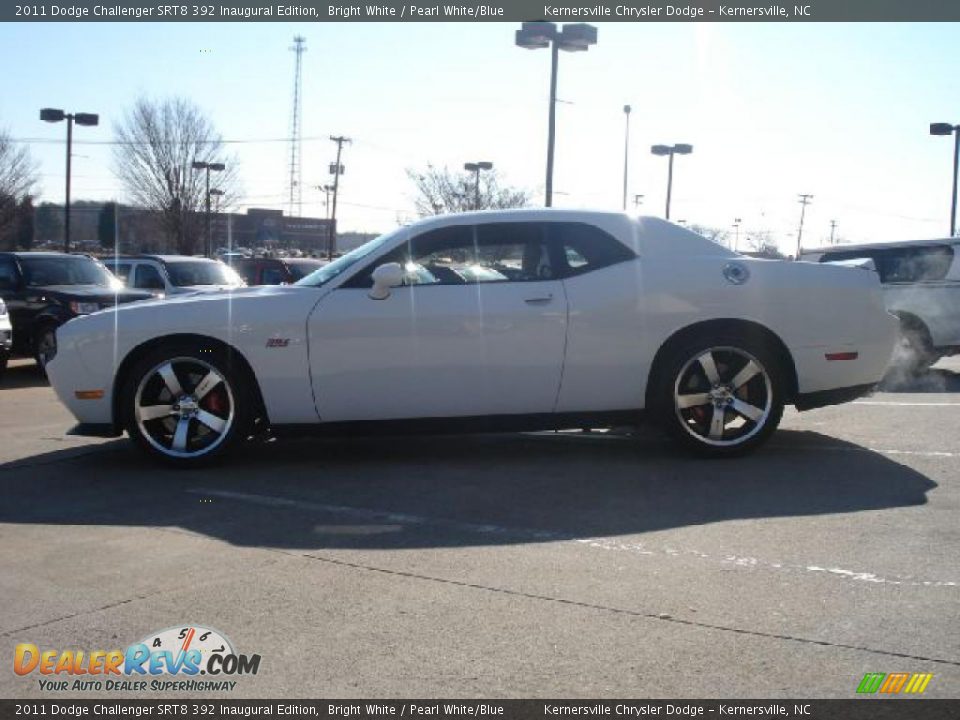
(671, 150)
(53, 115)
(576, 37)
(208, 166)
(948, 129)
(475, 168)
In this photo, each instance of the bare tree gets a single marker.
(440, 191)
(157, 144)
(714, 234)
(18, 175)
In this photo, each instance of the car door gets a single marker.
(478, 328)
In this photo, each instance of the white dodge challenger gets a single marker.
(510, 320)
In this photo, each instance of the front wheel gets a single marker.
(187, 406)
(45, 346)
(722, 397)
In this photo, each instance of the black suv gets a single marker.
(43, 290)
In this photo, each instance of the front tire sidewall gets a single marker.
(666, 379)
(232, 374)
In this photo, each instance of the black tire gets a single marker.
(228, 400)
(44, 345)
(914, 352)
(682, 377)
(4, 359)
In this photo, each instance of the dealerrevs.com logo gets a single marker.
(172, 660)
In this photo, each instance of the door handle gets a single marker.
(538, 300)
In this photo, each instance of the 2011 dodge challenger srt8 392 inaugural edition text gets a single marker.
(507, 320)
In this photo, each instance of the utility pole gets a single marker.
(805, 199)
(736, 238)
(336, 170)
(833, 228)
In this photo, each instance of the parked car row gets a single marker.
(39, 291)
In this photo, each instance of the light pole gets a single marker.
(736, 237)
(327, 189)
(475, 168)
(53, 115)
(948, 129)
(217, 193)
(671, 150)
(208, 166)
(626, 152)
(571, 38)
(637, 201)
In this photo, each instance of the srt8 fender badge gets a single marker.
(277, 342)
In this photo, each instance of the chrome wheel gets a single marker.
(184, 407)
(723, 396)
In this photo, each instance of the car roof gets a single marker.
(933, 242)
(160, 258)
(41, 253)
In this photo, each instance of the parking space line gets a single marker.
(601, 543)
(898, 403)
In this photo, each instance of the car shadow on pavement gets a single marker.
(416, 492)
(23, 375)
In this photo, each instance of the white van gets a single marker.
(921, 283)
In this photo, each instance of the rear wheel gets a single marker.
(187, 405)
(719, 397)
(914, 352)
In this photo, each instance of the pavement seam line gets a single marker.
(661, 617)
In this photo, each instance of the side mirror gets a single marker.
(386, 276)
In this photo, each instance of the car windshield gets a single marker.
(188, 274)
(64, 270)
(328, 272)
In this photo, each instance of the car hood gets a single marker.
(181, 289)
(176, 301)
(93, 293)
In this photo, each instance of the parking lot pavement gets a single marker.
(551, 564)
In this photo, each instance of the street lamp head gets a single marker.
(683, 149)
(197, 165)
(215, 191)
(52, 115)
(627, 109)
(661, 149)
(485, 165)
(471, 167)
(935, 128)
(577, 37)
(535, 35)
(217, 167)
(89, 119)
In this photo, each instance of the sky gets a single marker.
(840, 111)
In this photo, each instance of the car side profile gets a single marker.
(43, 290)
(506, 320)
(173, 274)
(921, 286)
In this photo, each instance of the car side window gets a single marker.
(8, 274)
(121, 270)
(582, 248)
(147, 277)
(248, 271)
(915, 265)
(467, 255)
(272, 276)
